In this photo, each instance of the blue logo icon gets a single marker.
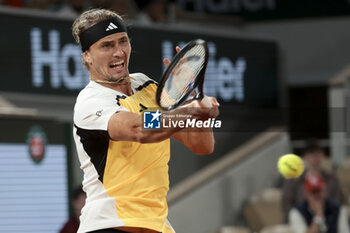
(151, 120)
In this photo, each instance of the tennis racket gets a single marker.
(184, 74)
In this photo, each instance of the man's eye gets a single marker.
(106, 45)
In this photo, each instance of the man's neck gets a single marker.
(125, 89)
(124, 86)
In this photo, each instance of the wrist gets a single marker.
(320, 221)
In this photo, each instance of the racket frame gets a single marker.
(199, 79)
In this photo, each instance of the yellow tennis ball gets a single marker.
(290, 166)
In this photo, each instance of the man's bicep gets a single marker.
(124, 126)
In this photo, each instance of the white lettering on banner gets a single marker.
(227, 6)
(58, 61)
(223, 78)
(41, 58)
(231, 78)
(75, 80)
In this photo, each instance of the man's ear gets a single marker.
(87, 57)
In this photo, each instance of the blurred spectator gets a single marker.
(293, 193)
(72, 8)
(13, 3)
(37, 4)
(126, 8)
(105, 4)
(152, 11)
(78, 202)
(54, 5)
(318, 214)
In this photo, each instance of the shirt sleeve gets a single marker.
(296, 221)
(94, 113)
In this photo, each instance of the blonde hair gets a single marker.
(88, 19)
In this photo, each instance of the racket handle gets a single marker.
(199, 96)
(205, 101)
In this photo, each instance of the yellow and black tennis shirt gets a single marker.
(126, 182)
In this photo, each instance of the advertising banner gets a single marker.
(40, 56)
(34, 176)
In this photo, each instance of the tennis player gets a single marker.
(125, 167)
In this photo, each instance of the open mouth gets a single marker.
(117, 65)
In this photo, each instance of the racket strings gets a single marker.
(183, 76)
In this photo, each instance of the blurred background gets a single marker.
(278, 68)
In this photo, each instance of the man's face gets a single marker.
(108, 58)
(317, 195)
(313, 160)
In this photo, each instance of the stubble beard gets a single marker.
(113, 79)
